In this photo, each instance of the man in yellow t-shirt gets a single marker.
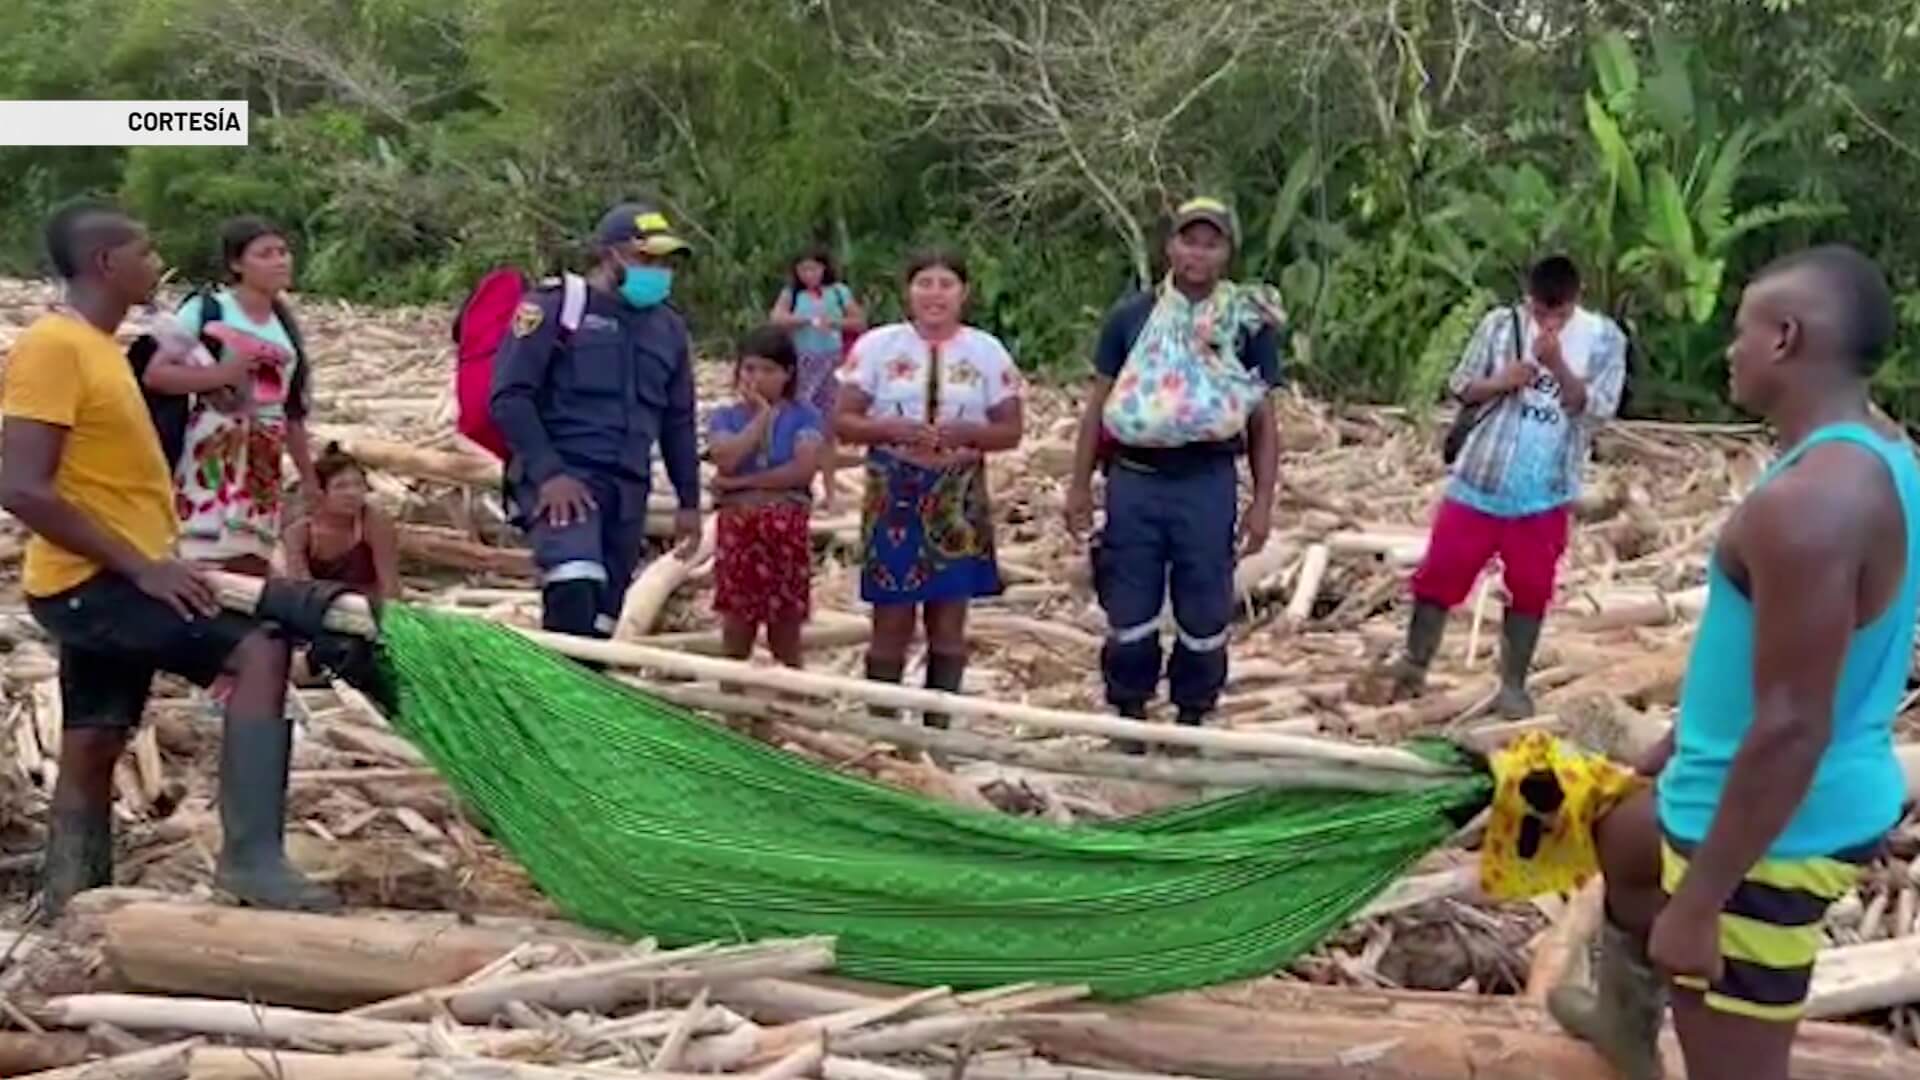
(81, 466)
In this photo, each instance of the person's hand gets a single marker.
(1686, 940)
(1519, 376)
(912, 433)
(1546, 349)
(236, 372)
(564, 500)
(686, 529)
(1080, 509)
(821, 322)
(180, 586)
(722, 483)
(958, 435)
(1256, 527)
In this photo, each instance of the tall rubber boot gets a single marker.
(1424, 630)
(79, 856)
(1133, 747)
(1519, 637)
(944, 672)
(887, 671)
(1622, 1014)
(254, 755)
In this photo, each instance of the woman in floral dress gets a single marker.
(929, 398)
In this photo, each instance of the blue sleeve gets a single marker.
(519, 374)
(679, 428)
(1262, 354)
(1117, 336)
(726, 421)
(806, 420)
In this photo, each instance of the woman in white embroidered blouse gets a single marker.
(929, 398)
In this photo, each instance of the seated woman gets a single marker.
(345, 538)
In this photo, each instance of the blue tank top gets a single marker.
(1858, 787)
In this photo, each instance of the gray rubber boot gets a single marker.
(1424, 631)
(1519, 637)
(1622, 1015)
(79, 857)
(887, 671)
(253, 866)
(944, 672)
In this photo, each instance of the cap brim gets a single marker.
(1205, 217)
(663, 244)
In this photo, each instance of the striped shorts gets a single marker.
(1770, 929)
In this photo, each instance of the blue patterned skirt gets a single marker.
(928, 533)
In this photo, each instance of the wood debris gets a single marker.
(378, 994)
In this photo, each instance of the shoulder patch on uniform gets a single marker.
(527, 318)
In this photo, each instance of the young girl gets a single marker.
(345, 538)
(822, 314)
(766, 448)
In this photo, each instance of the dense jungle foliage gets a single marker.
(1394, 161)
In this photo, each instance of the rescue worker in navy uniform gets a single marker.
(1172, 511)
(581, 413)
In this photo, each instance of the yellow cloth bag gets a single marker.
(1547, 795)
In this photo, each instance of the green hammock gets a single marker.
(640, 818)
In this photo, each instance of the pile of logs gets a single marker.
(176, 990)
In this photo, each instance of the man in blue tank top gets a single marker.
(1779, 780)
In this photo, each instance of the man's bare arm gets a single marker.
(1800, 542)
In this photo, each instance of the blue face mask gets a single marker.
(645, 286)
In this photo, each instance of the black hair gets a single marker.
(1554, 281)
(819, 253)
(81, 230)
(936, 257)
(1867, 318)
(238, 234)
(332, 462)
(769, 342)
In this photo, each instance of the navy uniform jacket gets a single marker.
(623, 382)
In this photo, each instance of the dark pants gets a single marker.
(585, 567)
(112, 639)
(1167, 533)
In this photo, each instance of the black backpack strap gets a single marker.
(297, 404)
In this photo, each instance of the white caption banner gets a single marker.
(123, 123)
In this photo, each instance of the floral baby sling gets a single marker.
(1183, 381)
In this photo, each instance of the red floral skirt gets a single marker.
(763, 568)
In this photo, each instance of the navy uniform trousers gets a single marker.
(1167, 533)
(585, 567)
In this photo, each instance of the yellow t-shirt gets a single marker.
(65, 371)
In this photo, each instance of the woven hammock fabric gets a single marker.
(640, 818)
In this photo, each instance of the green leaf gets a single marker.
(1616, 159)
(1668, 93)
(1615, 66)
(1667, 223)
(1754, 219)
(1714, 206)
(1286, 206)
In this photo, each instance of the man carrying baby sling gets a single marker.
(1180, 392)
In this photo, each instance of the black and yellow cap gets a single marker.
(639, 224)
(1211, 211)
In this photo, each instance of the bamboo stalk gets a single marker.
(1313, 571)
(647, 597)
(350, 614)
(1190, 772)
(234, 1019)
(168, 1062)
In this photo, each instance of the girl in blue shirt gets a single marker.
(823, 316)
(766, 449)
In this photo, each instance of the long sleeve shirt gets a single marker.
(599, 399)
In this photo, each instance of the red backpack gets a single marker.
(480, 329)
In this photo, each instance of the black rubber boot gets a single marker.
(79, 856)
(944, 672)
(1424, 631)
(1519, 636)
(254, 755)
(887, 671)
(1622, 1013)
